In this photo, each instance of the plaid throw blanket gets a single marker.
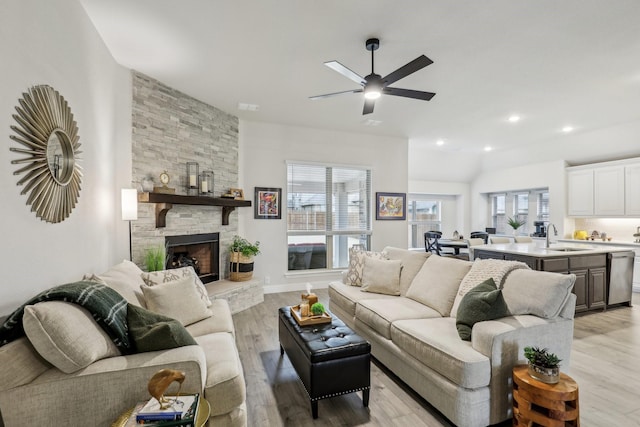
(108, 308)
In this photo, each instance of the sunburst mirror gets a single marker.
(49, 138)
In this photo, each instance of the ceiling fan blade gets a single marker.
(368, 106)
(336, 66)
(327, 95)
(413, 66)
(408, 93)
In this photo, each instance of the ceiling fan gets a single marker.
(374, 85)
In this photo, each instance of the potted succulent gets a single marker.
(543, 365)
(241, 253)
(515, 223)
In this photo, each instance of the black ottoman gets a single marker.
(330, 358)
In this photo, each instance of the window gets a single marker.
(519, 204)
(423, 215)
(328, 211)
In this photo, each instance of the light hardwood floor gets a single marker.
(605, 362)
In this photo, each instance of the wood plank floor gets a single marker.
(605, 363)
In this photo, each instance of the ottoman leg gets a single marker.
(314, 409)
(365, 397)
(281, 350)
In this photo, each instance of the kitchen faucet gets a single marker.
(555, 232)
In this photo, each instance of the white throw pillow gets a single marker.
(381, 276)
(540, 293)
(177, 299)
(437, 283)
(125, 279)
(66, 335)
(356, 265)
(157, 277)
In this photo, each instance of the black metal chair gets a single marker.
(480, 235)
(431, 241)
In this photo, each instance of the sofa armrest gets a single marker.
(101, 391)
(503, 342)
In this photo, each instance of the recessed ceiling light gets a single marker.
(247, 107)
(514, 118)
(440, 142)
(567, 129)
(487, 148)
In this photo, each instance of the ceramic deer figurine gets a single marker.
(159, 383)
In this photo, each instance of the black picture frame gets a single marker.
(391, 206)
(268, 203)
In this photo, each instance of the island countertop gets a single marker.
(555, 250)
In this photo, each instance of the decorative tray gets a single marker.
(309, 320)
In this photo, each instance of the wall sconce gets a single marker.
(193, 175)
(206, 183)
(129, 201)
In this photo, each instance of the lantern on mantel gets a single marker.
(206, 183)
(193, 176)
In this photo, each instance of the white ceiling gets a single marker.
(554, 63)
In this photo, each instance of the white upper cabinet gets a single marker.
(608, 191)
(580, 192)
(632, 190)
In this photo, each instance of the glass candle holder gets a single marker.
(193, 176)
(206, 183)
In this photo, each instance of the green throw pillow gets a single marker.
(484, 302)
(150, 331)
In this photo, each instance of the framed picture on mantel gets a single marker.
(391, 206)
(268, 203)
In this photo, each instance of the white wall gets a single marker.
(54, 43)
(264, 149)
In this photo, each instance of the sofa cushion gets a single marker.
(178, 299)
(412, 262)
(125, 279)
(437, 282)
(484, 302)
(66, 335)
(164, 276)
(379, 314)
(381, 276)
(220, 321)
(435, 342)
(224, 385)
(356, 264)
(24, 361)
(346, 296)
(539, 293)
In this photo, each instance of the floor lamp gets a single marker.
(129, 199)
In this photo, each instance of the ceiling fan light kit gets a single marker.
(374, 85)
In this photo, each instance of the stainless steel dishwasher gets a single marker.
(620, 268)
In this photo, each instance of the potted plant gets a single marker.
(543, 365)
(241, 253)
(155, 258)
(515, 223)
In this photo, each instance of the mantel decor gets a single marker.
(49, 136)
(391, 206)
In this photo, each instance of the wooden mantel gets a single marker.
(164, 202)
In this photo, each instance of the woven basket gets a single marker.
(240, 267)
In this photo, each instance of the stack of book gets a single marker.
(180, 412)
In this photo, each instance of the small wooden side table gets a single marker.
(538, 404)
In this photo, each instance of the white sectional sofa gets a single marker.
(410, 322)
(105, 383)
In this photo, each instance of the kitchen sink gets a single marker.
(567, 249)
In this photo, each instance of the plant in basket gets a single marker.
(241, 253)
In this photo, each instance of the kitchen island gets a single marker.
(591, 265)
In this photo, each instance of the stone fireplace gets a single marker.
(200, 251)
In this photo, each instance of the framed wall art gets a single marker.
(268, 203)
(391, 206)
(237, 193)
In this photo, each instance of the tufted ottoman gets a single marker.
(330, 359)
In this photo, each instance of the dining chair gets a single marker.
(431, 242)
(523, 239)
(474, 241)
(494, 239)
(480, 234)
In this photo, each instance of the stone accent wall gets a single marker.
(169, 130)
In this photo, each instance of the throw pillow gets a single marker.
(66, 335)
(412, 262)
(177, 299)
(356, 265)
(381, 276)
(540, 293)
(151, 331)
(156, 277)
(125, 279)
(484, 302)
(437, 282)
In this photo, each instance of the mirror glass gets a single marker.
(60, 156)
